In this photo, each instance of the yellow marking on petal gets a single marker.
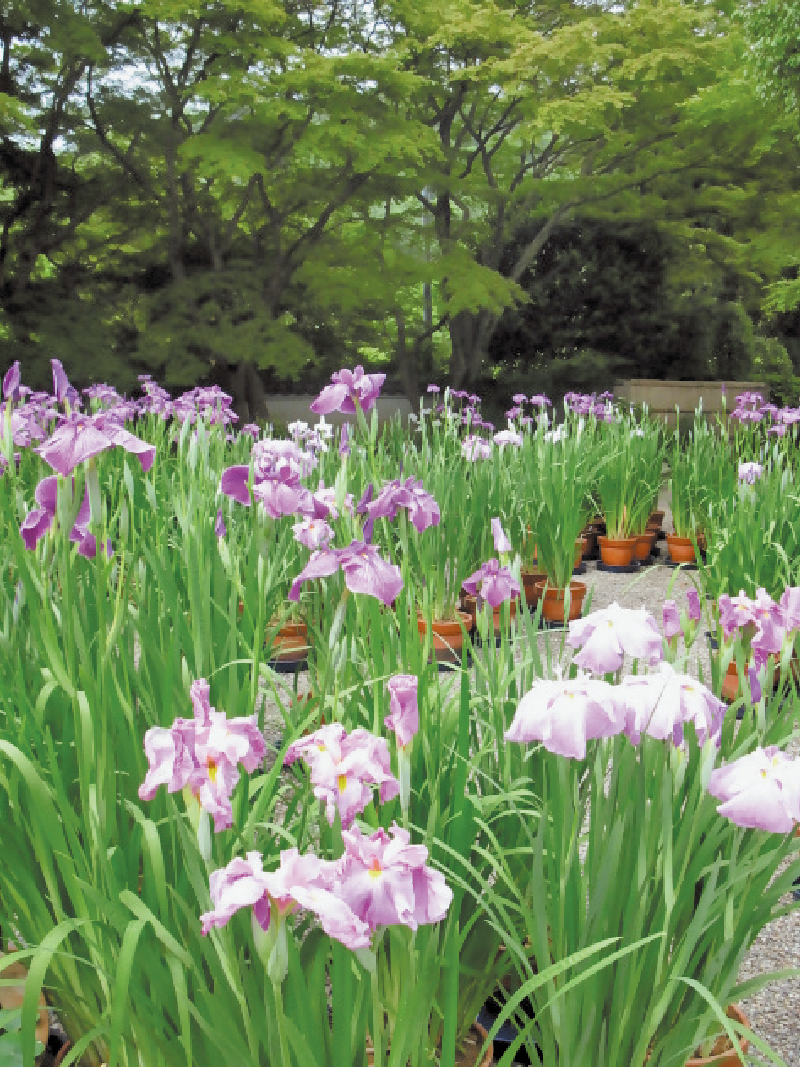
(212, 770)
(375, 869)
(763, 773)
(342, 782)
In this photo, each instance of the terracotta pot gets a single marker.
(448, 637)
(730, 683)
(617, 552)
(590, 537)
(642, 547)
(580, 548)
(530, 582)
(681, 549)
(553, 608)
(467, 1055)
(291, 642)
(472, 607)
(725, 1056)
(11, 996)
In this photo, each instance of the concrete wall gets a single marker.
(291, 408)
(662, 397)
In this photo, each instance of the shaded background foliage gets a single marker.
(544, 194)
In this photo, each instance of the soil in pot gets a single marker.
(553, 607)
(617, 552)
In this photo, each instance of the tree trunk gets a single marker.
(468, 350)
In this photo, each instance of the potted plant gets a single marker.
(557, 497)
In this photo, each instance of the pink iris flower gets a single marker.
(672, 621)
(565, 714)
(313, 533)
(660, 704)
(82, 437)
(503, 438)
(492, 583)
(423, 511)
(749, 473)
(760, 790)
(736, 612)
(38, 521)
(605, 637)
(365, 571)
(349, 390)
(790, 603)
(500, 537)
(474, 448)
(345, 768)
(385, 881)
(403, 715)
(203, 755)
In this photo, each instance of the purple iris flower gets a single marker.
(38, 521)
(749, 473)
(494, 583)
(540, 401)
(423, 510)
(277, 469)
(695, 611)
(252, 429)
(349, 391)
(433, 388)
(344, 446)
(365, 571)
(80, 438)
(220, 529)
(62, 390)
(11, 382)
(672, 622)
(501, 541)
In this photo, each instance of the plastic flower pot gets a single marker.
(553, 607)
(681, 549)
(466, 1055)
(448, 636)
(722, 1055)
(617, 552)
